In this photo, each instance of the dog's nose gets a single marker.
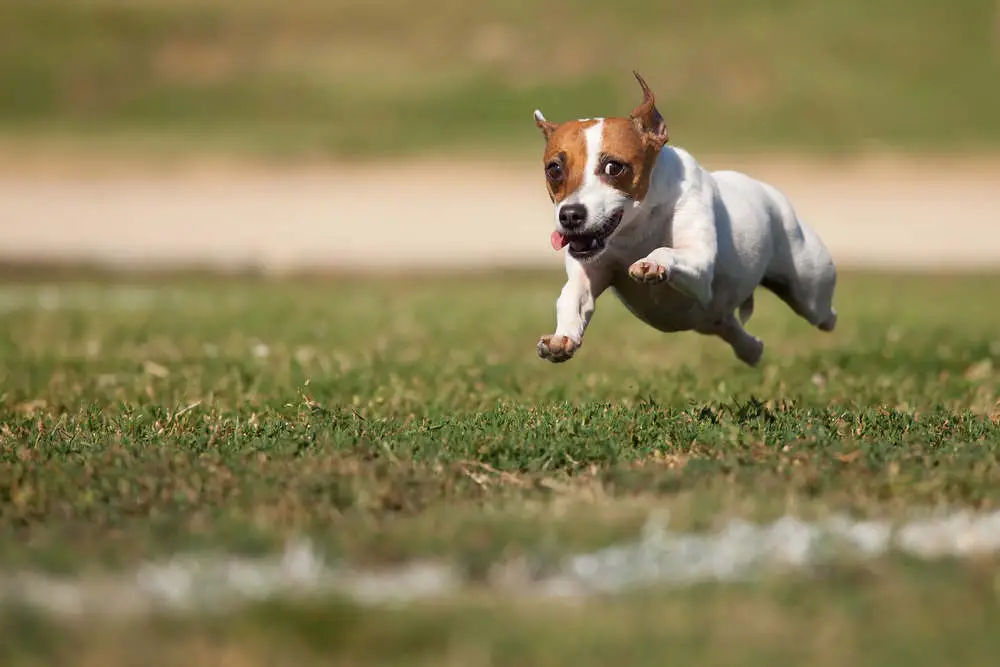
(572, 216)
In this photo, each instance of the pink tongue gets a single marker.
(558, 241)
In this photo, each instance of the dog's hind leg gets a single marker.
(746, 309)
(808, 296)
(802, 273)
(808, 286)
(747, 347)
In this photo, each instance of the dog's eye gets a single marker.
(554, 171)
(613, 168)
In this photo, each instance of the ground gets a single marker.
(927, 213)
(400, 418)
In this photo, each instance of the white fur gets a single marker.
(692, 253)
(600, 199)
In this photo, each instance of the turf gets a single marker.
(361, 78)
(401, 417)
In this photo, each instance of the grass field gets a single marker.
(408, 418)
(362, 77)
(154, 431)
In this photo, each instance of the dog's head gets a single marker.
(597, 169)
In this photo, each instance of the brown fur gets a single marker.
(634, 141)
(647, 118)
(621, 142)
(566, 144)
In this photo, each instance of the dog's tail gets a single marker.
(746, 310)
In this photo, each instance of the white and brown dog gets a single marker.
(682, 247)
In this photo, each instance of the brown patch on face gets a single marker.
(628, 152)
(566, 158)
(626, 160)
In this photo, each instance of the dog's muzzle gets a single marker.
(583, 245)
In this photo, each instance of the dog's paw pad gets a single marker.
(556, 348)
(645, 271)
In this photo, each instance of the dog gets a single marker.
(683, 248)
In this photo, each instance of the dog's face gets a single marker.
(596, 170)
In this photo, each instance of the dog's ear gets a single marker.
(647, 118)
(545, 126)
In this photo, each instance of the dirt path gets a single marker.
(922, 214)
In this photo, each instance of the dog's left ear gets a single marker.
(545, 126)
(647, 118)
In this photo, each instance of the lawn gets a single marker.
(402, 418)
(319, 79)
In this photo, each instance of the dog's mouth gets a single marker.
(588, 244)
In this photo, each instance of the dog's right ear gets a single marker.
(545, 126)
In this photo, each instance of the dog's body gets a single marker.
(682, 247)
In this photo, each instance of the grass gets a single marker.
(360, 78)
(398, 418)
(868, 618)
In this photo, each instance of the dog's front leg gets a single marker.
(574, 308)
(688, 266)
(687, 270)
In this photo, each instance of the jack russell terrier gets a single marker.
(682, 247)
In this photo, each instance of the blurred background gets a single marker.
(258, 132)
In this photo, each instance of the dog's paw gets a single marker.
(830, 323)
(750, 351)
(646, 271)
(556, 348)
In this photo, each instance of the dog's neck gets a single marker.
(656, 209)
(665, 181)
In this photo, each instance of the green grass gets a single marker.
(404, 417)
(355, 77)
(866, 618)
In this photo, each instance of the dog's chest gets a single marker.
(660, 306)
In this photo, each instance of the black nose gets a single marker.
(572, 216)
